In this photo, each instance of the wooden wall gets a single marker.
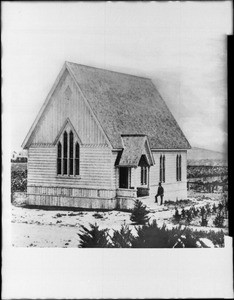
(79, 202)
(59, 109)
(96, 168)
(173, 189)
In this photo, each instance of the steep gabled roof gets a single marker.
(134, 147)
(123, 104)
(127, 104)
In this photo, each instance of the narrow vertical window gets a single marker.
(65, 153)
(180, 167)
(143, 175)
(59, 159)
(177, 167)
(71, 153)
(163, 168)
(77, 159)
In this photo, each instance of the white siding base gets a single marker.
(77, 198)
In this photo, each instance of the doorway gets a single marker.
(124, 175)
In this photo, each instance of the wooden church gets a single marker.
(103, 139)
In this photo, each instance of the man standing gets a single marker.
(159, 193)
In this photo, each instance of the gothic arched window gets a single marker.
(68, 155)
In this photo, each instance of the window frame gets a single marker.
(178, 167)
(66, 147)
(162, 168)
(144, 175)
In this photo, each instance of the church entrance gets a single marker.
(124, 177)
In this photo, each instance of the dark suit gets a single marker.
(160, 193)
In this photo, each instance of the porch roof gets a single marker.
(134, 147)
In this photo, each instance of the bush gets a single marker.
(97, 216)
(18, 181)
(151, 236)
(139, 213)
(183, 214)
(177, 216)
(196, 212)
(214, 209)
(189, 216)
(93, 238)
(203, 211)
(122, 238)
(219, 220)
(204, 221)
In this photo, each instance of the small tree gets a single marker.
(208, 210)
(122, 238)
(219, 220)
(139, 213)
(152, 236)
(204, 221)
(177, 216)
(220, 206)
(214, 209)
(93, 237)
(183, 214)
(188, 216)
(196, 211)
(203, 211)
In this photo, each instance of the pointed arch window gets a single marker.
(144, 175)
(178, 167)
(68, 155)
(77, 159)
(65, 153)
(59, 158)
(162, 168)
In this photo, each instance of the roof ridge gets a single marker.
(141, 77)
(134, 134)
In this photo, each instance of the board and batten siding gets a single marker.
(173, 189)
(60, 108)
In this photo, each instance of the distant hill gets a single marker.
(204, 157)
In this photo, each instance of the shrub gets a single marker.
(208, 210)
(177, 216)
(97, 216)
(189, 216)
(196, 212)
(139, 213)
(183, 214)
(93, 238)
(122, 238)
(204, 221)
(203, 211)
(18, 181)
(214, 209)
(151, 236)
(219, 220)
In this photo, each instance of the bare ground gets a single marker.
(60, 228)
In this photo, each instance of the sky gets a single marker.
(181, 46)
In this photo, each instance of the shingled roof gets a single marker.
(134, 147)
(127, 104)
